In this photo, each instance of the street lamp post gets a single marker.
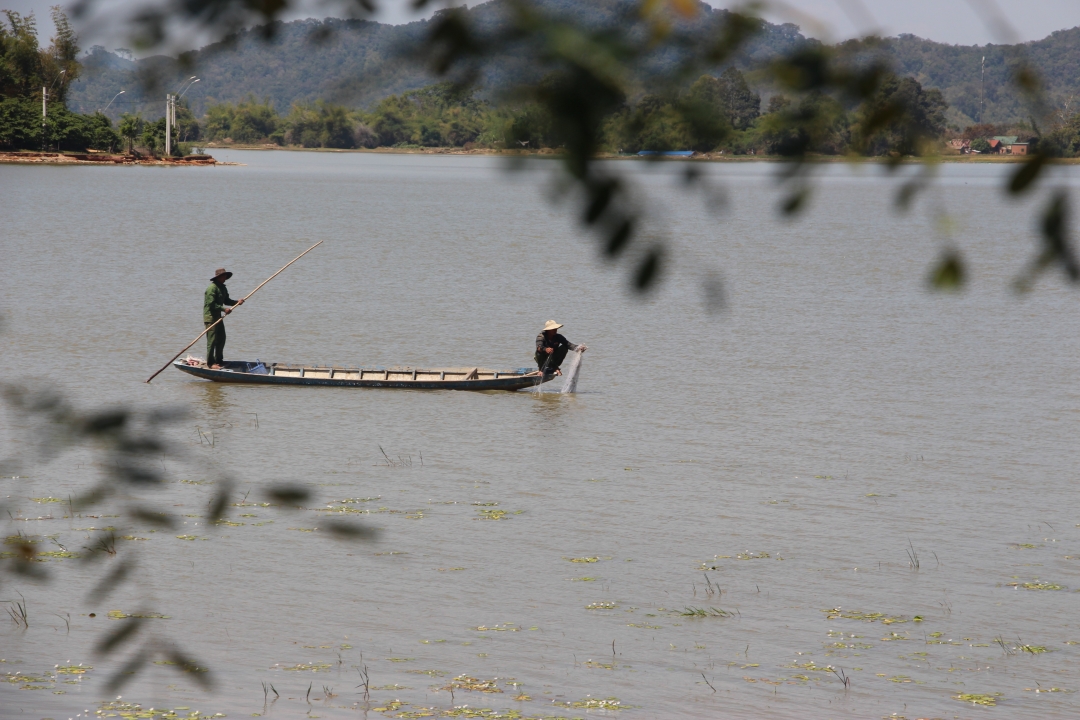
(111, 101)
(45, 107)
(170, 111)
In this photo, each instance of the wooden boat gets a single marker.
(257, 372)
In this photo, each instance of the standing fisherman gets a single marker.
(216, 302)
(551, 349)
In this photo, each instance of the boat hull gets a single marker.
(256, 373)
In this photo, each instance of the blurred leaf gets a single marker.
(136, 475)
(1055, 245)
(949, 274)
(125, 631)
(1055, 236)
(648, 271)
(289, 494)
(601, 197)
(163, 415)
(128, 671)
(140, 446)
(618, 240)
(110, 582)
(1026, 174)
(907, 193)
(188, 664)
(715, 298)
(349, 531)
(1027, 79)
(795, 201)
(104, 422)
(91, 498)
(685, 8)
(151, 517)
(220, 502)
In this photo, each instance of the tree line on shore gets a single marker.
(714, 114)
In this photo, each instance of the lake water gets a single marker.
(790, 450)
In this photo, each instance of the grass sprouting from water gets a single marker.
(698, 612)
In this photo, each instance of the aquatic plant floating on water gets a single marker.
(590, 703)
(1036, 585)
(133, 711)
(834, 613)
(978, 699)
(305, 667)
(465, 682)
(121, 615)
(697, 612)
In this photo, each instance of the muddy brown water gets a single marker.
(793, 448)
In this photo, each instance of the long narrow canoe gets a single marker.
(244, 371)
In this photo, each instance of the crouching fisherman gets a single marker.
(551, 349)
(216, 302)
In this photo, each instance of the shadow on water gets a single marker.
(214, 398)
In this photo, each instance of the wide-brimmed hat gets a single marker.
(551, 325)
(220, 273)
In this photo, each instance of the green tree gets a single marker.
(740, 104)
(818, 123)
(20, 123)
(130, 128)
(901, 118)
(59, 60)
(529, 126)
(435, 116)
(187, 127)
(1062, 140)
(253, 121)
(21, 71)
(25, 69)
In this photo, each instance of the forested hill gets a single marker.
(360, 62)
(355, 62)
(956, 70)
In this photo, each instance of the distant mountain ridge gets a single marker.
(359, 62)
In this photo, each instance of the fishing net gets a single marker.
(571, 372)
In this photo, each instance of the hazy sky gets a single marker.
(951, 21)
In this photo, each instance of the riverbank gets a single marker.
(58, 158)
(93, 158)
(709, 157)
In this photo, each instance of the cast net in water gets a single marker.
(571, 372)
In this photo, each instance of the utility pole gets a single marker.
(168, 125)
(45, 107)
(982, 90)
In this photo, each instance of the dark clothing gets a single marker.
(215, 344)
(215, 299)
(559, 347)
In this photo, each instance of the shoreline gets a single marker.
(93, 158)
(61, 158)
(698, 157)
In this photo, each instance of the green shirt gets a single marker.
(215, 299)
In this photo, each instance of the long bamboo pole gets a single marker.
(214, 324)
